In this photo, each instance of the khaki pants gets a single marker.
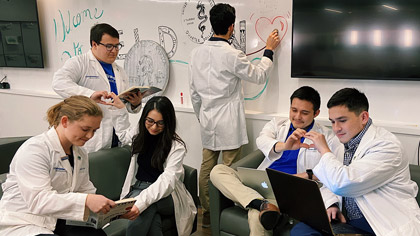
(209, 161)
(227, 181)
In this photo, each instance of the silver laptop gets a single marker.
(257, 180)
(301, 199)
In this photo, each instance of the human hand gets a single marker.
(319, 142)
(334, 213)
(293, 141)
(303, 175)
(273, 40)
(99, 97)
(134, 98)
(98, 203)
(132, 214)
(116, 101)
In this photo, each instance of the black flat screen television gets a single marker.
(356, 39)
(20, 44)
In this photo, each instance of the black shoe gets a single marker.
(270, 215)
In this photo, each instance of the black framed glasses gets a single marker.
(151, 122)
(109, 47)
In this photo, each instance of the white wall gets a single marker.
(22, 108)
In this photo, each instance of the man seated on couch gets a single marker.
(372, 180)
(285, 148)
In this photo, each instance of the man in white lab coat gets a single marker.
(372, 180)
(95, 74)
(216, 70)
(285, 148)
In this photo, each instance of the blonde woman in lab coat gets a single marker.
(49, 176)
(155, 176)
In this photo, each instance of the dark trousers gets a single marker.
(61, 229)
(149, 221)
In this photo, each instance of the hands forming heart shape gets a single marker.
(102, 97)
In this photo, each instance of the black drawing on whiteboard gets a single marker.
(121, 56)
(241, 45)
(201, 16)
(136, 35)
(195, 20)
(147, 64)
(165, 30)
(145, 70)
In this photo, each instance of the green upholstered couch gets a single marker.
(107, 169)
(229, 219)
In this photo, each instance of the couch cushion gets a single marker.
(8, 148)
(108, 169)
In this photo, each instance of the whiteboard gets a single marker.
(178, 26)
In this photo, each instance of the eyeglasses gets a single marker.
(109, 47)
(151, 122)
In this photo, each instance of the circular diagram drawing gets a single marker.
(147, 64)
(253, 91)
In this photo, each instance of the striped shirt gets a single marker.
(353, 211)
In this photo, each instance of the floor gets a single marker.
(200, 230)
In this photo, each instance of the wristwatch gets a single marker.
(310, 173)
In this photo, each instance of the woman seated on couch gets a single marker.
(49, 176)
(155, 176)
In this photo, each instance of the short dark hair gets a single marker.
(308, 94)
(98, 30)
(352, 98)
(222, 16)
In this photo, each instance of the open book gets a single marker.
(99, 220)
(145, 90)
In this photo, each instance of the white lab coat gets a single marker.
(42, 187)
(216, 70)
(379, 180)
(84, 75)
(170, 182)
(277, 129)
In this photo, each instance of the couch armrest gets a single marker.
(190, 182)
(8, 148)
(218, 202)
(252, 160)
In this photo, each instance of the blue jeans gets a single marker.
(302, 229)
(149, 221)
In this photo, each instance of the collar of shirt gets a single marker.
(354, 142)
(218, 39)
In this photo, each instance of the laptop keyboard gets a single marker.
(340, 228)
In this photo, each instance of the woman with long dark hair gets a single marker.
(155, 176)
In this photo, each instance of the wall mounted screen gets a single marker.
(20, 44)
(356, 39)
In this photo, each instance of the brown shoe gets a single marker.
(206, 220)
(270, 215)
